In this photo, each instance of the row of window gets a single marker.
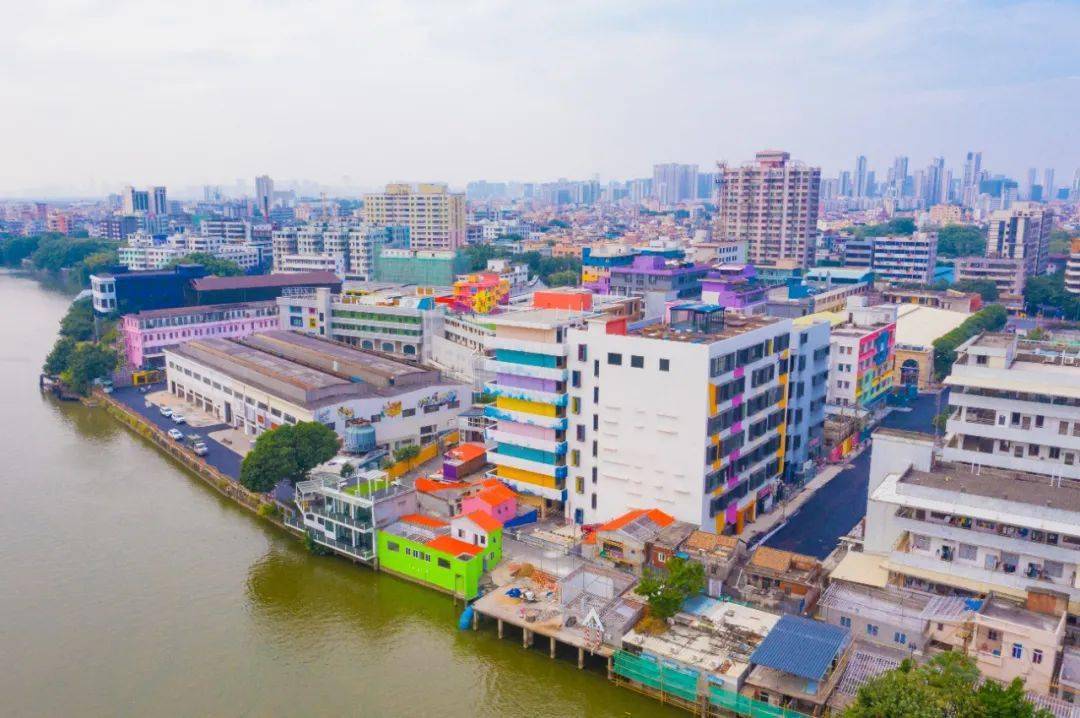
(417, 554)
(636, 361)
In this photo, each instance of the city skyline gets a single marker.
(192, 95)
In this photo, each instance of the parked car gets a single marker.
(176, 435)
(200, 449)
(194, 439)
(165, 411)
(178, 418)
(149, 404)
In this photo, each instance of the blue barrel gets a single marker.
(359, 439)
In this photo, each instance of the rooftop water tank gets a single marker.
(359, 439)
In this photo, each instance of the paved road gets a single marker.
(841, 503)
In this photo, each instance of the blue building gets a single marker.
(121, 291)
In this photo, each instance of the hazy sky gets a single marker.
(192, 92)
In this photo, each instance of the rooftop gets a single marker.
(701, 331)
(538, 318)
(254, 281)
(201, 309)
(1017, 614)
(919, 326)
(802, 647)
(995, 483)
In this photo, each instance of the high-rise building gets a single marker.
(1021, 232)
(772, 205)
(1072, 268)
(159, 204)
(860, 176)
(899, 175)
(264, 194)
(845, 184)
(1031, 183)
(934, 182)
(1048, 184)
(434, 215)
(674, 183)
(972, 168)
(905, 259)
(135, 200)
(1075, 193)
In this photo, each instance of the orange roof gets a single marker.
(485, 521)
(421, 520)
(495, 495)
(466, 452)
(450, 545)
(431, 486)
(657, 516)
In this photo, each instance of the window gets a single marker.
(665, 365)
(871, 629)
(968, 552)
(594, 501)
(614, 358)
(637, 362)
(845, 621)
(1017, 651)
(582, 352)
(580, 429)
(392, 546)
(408, 412)
(575, 379)
(922, 543)
(1036, 656)
(443, 563)
(1053, 569)
(900, 638)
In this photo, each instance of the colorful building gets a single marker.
(463, 460)
(451, 557)
(734, 286)
(862, 355)
(146, 334)
(596, 265)
(481, 293)
(495, 500)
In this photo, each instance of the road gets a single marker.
(841, 503)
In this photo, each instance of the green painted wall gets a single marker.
(456, 576)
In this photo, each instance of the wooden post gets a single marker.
(524, 637)
(610, 667)
(500, 628)
(551, 653)
(475, 620)
(580, 657)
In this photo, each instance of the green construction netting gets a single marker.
(747, 706)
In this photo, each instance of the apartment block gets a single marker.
(1015, 405)
(862, 355)
(1021, 232)
(1007, 274)
(807, 393)
(346, 248)
(688, 417)
(905, 259)
(1072, 268)
(435, 216)
(772, 205)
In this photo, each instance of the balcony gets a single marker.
(523, 345)
(517, 392)
(557, 471)
(1016, 581)
(507, 437)
(558, 423)
(536, 372)
(984, 538)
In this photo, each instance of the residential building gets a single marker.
(624, 541)
(279, 377)
(145, 334)
(658, 280)
(1007, 274)
(345, 247)
(643, 433)
(1021, 232)
(597, 263)
(1072, 268)
(735, 287)
(948, 299)
(905, 259)
(344, 514)
(264, 195)
(862, 355)
(858, 252)
(780, 581)
(424, 267)
(941, 215)
(808, 385)
(719, 555)
(495, 500)
(674, 183)
(391, 320)
(772, 205)
(917, 327)
(1015, 405)
(713, 253)
(435, 216)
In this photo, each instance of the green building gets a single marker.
(427, 268)
(451, 557)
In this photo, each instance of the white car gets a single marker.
(176, 435)
(165, 411)
(200, 449)
(178, 418)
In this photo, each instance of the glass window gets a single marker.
(637, 362)
(665, 365)
(871, 629)
(614, 358)
(1017, 650)
(899, 638)
(845, 622)
(1036, 656)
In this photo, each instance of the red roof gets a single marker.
(466, 452)
(495, 495)
(657, 516)
(421, 520)
(485, 521)
(431, 486)
(450, 545)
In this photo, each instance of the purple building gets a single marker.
(734, 286)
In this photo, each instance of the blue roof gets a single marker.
(801, 646)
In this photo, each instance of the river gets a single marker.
(127, 588)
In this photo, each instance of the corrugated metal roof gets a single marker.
(801, 646)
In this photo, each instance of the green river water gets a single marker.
(128, 588)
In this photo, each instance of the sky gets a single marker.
(97, 94)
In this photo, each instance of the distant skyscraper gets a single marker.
(899, 175)
(135, 200)
(1048, 184)
(860, 176)
(1032, 182)
(1075, 194)
(772, 205)
(264, 194)
(674, 183)
(1022, 232)
(934, 176)
(845, 184)
(159, 204)
(972, 168)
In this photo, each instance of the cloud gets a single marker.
(185, 93)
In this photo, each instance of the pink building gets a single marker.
(146, 334)
(495, 500)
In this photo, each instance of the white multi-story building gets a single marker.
(344, 247)
(434, 215)
(862, 355)
(1072, 268)
(687, 417)
(234, 231)
(1015, 405)
(141, 252)
(905, 259)
(1021, 232)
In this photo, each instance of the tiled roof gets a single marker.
(495, 495)
(657, 516)
(775, 559)
(801, 646)
(431, 486)
(452, 546)
(466, 452)
(485, 521)
(421, 520)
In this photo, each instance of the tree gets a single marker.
(88, 361)
(564, 278)
(947, 685)
(14, 250)
(960, 240)
(1061, 241)
(406, 453)
(666, 593)
(55, 252)
(94, 263)
(987, 319)
(1047, 295)
(60, 356)
(1038, 334)
(78, 323)
(899, 225)
(347, 470)
(985, 288)
(214, 265)
(287, 453)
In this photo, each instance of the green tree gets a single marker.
(88, 361)
(94, 263)
(564, 278)
(287, 452)
(214, 265)
(1047, 294)
(1061, 241)
(947, 686)
(78, 323)
(60, 356)
(13, 250)
(55, 252)
(1038, 334)
(667, 592)
(407, 453)
(961, 240)
(314, 443)
(985, 288)
(899, 225)
(987, 319)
